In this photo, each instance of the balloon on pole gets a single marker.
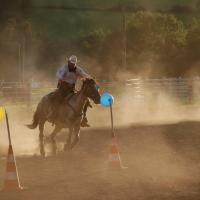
(107, 100)
(115, 162)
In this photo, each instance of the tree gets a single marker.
(92, 42)
(193, 40)
(156, 36)
(198, 5)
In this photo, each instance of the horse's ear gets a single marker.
(93, 78)
(83, 79)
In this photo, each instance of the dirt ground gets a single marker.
(163, 164)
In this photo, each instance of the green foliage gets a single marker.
(155, 32)
(158, 4)
(92, 42)
(161, 41)
(161, 36)
(16, 29)
(193, 40)
(153, 38)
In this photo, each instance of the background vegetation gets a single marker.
(163, 37)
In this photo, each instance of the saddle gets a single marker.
(56, 99)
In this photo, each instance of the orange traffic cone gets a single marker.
(11, 180)
(114, 156)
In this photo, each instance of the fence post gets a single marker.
(28, 94)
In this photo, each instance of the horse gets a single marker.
(69, 114)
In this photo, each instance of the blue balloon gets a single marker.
(107, 100)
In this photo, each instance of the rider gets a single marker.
(67, 77)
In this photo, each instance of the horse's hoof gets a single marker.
(54, 152)
(42, 153)
(66, 147)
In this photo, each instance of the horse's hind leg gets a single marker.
(67, 145)
(76, 137)
(41, 137)
(53, 141)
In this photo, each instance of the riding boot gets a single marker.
(84, 122)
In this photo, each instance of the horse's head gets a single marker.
(91, 90)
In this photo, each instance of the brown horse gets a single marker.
(69, 114)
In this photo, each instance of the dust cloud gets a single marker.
(148, 131)
(141, 121)
(24, 142)
(130, 107)
(155, 160)
(146, 106)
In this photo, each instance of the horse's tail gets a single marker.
(35, 120)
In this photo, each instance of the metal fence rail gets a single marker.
(15, 92)
(185, 90)
(179, 88)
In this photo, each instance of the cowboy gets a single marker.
(67, 77)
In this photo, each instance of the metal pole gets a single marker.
(19, 61)
(124, 39)
(112, 126)
(23, 59)
(8, 128)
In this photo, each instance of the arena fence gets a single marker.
(185, 90)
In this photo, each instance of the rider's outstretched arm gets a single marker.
(82, 73)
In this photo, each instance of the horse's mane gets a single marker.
(86, 80)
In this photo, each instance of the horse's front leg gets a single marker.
(68, 141)
(76, 136)
(41, 138)
(53, 141)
